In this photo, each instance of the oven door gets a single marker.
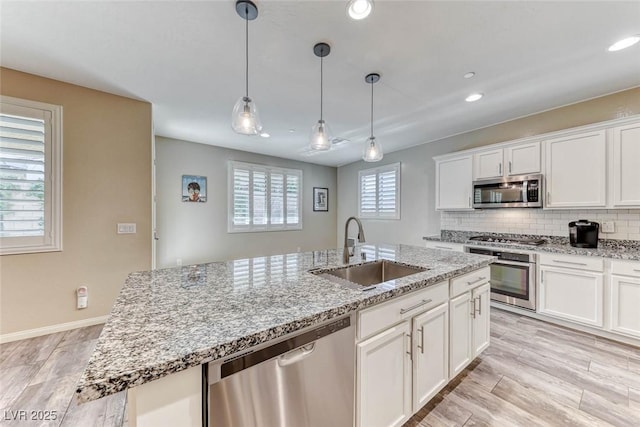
(514, 283)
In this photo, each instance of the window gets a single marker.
(30, 176)
(379, 192)
(264, 198)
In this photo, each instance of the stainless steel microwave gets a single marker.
(510, 192)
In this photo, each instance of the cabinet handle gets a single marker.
(509, 166)
(476, 281)
(499, 168)
(448, 249)
(421, 303)
(480, 305)
(421, 346)
(541, 276)
(469, 201)
(635, 269)
(473, 310)
(548, 198)
(570, 262)
(410, 347)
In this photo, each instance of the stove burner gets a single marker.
(493, 239)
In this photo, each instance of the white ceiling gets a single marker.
(187, 59)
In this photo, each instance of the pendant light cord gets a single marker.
(371, 108)
(246, 50)
(321, 75)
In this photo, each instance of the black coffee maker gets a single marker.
(583, 233)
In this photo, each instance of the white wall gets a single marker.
(197, 232)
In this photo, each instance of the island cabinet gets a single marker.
(468, 319)
(625, 298)
(401, 356)
(519, 159)
(572, 288)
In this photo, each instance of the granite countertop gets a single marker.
(615, 249)
(168, 320)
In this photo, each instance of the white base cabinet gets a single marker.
(625, 298)
(384, 378)
(572, 288)
(481, 324)
(460, 322)
(430, 354)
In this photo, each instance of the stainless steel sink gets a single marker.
(371, 273)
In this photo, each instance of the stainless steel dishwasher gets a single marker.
(304, 381)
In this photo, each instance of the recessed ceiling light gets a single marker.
(359, 9)
(292, 130)
(265, 135)
(469, 75)
(474, 97)
(624, 43)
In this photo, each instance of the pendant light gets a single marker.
(372, 149)
(245, 119)
(320, 132)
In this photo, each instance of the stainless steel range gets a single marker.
(513, 274)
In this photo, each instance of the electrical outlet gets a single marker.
(179, 262)
(82, 294)
(127, 228)
(609, 227)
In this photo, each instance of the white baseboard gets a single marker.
(60, 327)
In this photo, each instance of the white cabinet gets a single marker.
(444, 246)
(625, 174)
(576, 172)
(468, 319)
(384, 378)
(519, 159)
(481, 321)
(625, 298)
(571, 288)
(430, 354)
(453, 183)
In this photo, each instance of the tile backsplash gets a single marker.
(542, 222)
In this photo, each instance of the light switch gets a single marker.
(608, 227)
(127, 228)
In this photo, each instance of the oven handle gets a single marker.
(516, 263)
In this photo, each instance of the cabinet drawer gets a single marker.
(469, 281)
(625, 268)
(571, 261)
(381, 316)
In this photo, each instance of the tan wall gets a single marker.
(419, 217)
(106, 180)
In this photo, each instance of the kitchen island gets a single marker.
(167, 321)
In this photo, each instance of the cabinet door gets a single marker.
(625, 302)
(481, 321)
(453, 183)
(573, 295)
(626, 165)
(522, 159)
(576, 171)
(384, 378)
(460, 333)
(431, 354)
(488, 164)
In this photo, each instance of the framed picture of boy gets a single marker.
(320, 199)
(194, 188)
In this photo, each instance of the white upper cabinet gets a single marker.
(454, 178)
(626, 166)
(520, 159)
(576, 170)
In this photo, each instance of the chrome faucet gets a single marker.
(345, 254)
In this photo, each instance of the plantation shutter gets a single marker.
(379, 192)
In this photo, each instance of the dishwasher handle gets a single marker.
(296, 355)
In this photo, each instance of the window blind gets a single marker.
(264, 198)
(379, 192)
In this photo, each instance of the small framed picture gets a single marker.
(194, 188)
(320, 199)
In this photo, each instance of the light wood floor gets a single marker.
(533, 374)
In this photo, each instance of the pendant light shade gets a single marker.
(321, 133)
(245, 118)
(372, 149)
